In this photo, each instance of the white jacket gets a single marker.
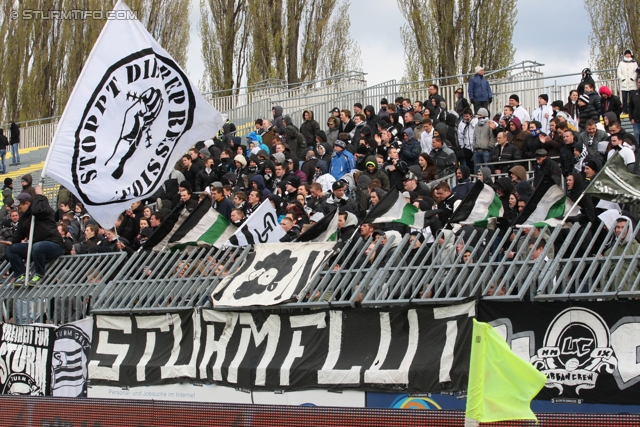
(539, 115)
(521, 113)
(465, 133)
(627, 75)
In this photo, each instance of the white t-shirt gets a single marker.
(626, 153)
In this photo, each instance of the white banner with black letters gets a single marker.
(25, 359)
(132, 113)
(420, 350)
(272, 274)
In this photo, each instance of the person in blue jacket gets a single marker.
(479, 91)
(253, 136)
(342, 161)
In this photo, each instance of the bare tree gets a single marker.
(615, 26)
(224, 40)
(340, 53)
(300, 40)
(41, 59)
(448, 37)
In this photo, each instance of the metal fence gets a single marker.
(65, 294)
(35, 133)
(344, 90)
(520, 264)
(280, 89)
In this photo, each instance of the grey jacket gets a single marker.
(483, 138)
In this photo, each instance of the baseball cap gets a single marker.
(22, 198)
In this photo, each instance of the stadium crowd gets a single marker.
(307, 170)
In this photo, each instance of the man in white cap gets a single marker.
(479, 90)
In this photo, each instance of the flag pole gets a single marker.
(30, 244)
(29, 247)
(571, 210)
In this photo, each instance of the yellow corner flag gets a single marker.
(501, 384)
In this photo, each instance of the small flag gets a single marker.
(615, 183)
(501, 384)
(161, 235)
(546, 207)
(261, 227)
(131, 115)
(394, 208)
(478, 207)
(204, 227)
(325, 230)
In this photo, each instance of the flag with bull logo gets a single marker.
(272, 274)
(132, 113)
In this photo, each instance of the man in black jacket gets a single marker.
(4, 144)
(634, 109)
(47, 242)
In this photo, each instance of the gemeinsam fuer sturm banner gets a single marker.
(132, 113)
(420, 350)
(588, 351)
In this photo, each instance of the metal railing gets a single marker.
(247, 107)
(344, 90)
(35, 133)
(574, 263)
(168, 281)
(65, 294)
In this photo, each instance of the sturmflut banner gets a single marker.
(25, 359)
(421, 350)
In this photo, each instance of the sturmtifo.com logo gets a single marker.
(576, 349)
(138, 112)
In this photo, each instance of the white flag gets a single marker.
(131, 115)
(261, 227)
(272, 274)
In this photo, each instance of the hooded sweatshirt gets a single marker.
(376, 174)
(29, 187)
(259, 180)
(296, 142)
(372, 118)
(309, 128)
(277, 119)
(410, 150)
(464, 185)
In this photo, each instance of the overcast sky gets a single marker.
(551, 32)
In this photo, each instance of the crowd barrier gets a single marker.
(360, 274)
(42, 411)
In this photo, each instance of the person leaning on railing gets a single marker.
(47, 242)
